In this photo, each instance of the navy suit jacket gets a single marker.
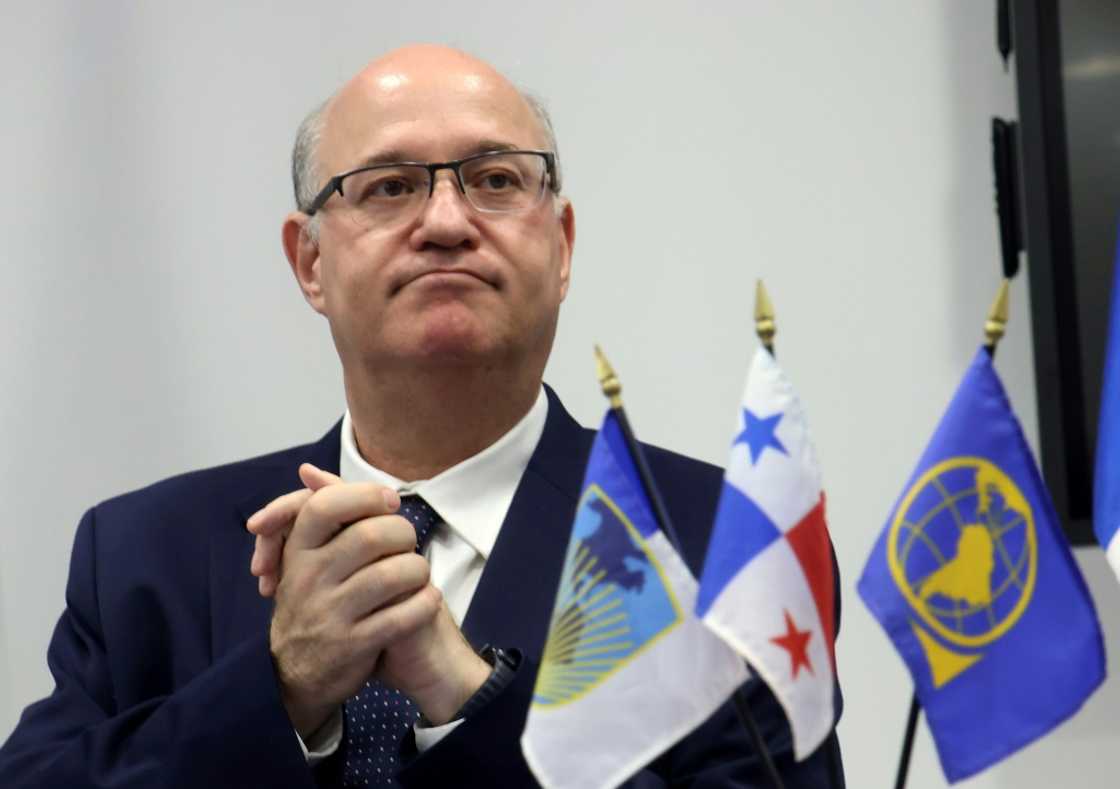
(164, 675)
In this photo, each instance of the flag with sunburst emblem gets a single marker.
(627, 669)
(768, 585)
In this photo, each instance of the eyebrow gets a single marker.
(397, 155)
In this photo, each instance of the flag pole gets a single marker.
(907, 743)
(612, 388)
(994, 327)
(766, 326)
(996, 324)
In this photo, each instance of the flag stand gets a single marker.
(612, 388)
(907, 743)
(994, 328)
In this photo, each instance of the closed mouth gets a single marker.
(451, 273)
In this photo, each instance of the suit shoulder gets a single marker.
(690, 489)
(698, 471)
(208, 488)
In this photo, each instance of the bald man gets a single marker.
(406, 562)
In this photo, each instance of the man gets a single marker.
(432, 236)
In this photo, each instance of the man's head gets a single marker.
(447, 283)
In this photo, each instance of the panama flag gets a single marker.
(627, 668)
(767, 585)
(1106, 483)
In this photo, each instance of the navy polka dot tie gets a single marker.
(377, 719)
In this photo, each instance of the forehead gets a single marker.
(431, 113)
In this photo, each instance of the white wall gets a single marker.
(840, 150)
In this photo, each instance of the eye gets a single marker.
(388, 188)
(384, 185)
(498, 181)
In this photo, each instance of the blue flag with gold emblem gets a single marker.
(627, 668)
(974, 582)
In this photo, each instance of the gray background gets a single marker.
(839, 150)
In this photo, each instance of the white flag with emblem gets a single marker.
(627, 668)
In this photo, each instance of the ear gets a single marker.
(567, 219)
(302, 252)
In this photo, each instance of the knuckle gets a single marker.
(317, 565)
(392, 625)
(270, 560)
(418, 568)
(373, 537)
(276, 507)
(401, 531)
(355, 645)
(334, 604)
(282, 506)
(317, 506)
(433, 600)
(290, 507)
(301, 574)
(386, 577)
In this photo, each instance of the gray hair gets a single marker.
(306, 176)
(305, 162)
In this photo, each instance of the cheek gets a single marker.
(537, 262)
(354, 271)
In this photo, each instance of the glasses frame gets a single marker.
(335, 183)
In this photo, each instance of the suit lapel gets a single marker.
(237, 611)
(513, 603)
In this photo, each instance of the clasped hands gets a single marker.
(354, 601)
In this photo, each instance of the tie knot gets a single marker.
(422, 517)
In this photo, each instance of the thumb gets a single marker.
(315, 478)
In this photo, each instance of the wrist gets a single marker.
(440, 702)
(306, 718)
(503, 669)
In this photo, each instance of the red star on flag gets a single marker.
(795, 642)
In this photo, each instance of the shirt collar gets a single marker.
(472, 497)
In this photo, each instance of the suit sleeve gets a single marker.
(225, 727)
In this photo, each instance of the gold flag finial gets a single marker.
(764, 325)
(612, 388)
(996, 323)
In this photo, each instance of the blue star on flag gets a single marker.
(758, 434)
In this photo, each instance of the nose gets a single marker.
(447, 220)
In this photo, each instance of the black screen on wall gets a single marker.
(1068, 73)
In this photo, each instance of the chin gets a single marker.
(452, 341)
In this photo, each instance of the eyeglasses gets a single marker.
(494, 182)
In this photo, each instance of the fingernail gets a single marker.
(253, 520)
(392, 500)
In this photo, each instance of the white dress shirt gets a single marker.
(471, 498)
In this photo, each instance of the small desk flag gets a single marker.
(627, 669)
(974, 582)
(1106, 482)
(767, 586)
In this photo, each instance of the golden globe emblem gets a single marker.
(974, 569)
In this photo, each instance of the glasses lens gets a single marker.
(385, 195)
(505, 181)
